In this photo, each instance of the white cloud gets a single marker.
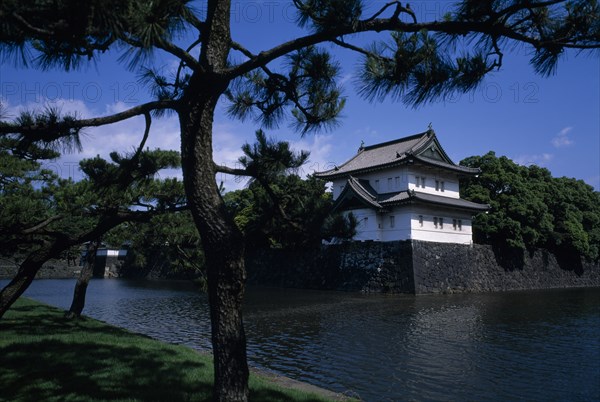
(562, 138)
(345, 79)
(536, 159)
(122, 137)
(594, 182)
(320, 147)
(125, 136)
(228, 140)
(64, 106)
(366, 134)
(227, 149)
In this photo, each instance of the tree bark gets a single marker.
(221, 239)
(83, 280)
(26, 273)
(222, 242)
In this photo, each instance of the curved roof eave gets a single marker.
(454, 167)
(362, 194)
(455, 203)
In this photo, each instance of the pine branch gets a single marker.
(60, 127)
(491, 28)
(42, 225)
(168, 47)
(398, 10)
(33, 29)
(231, 171)
(356, 49)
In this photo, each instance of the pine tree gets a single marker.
(296, 80)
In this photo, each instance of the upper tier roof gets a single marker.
(423, 148)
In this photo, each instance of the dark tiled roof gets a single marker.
(363, 189)
(442, 164)
(365, 193)
(441, 200)
(388, 154)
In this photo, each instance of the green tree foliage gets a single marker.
(170, 239)
(295, 81)
(279, 209)
(44, 215)
(306, 205)
(24, 199)
(531, 209)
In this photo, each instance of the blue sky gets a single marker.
(553, 122)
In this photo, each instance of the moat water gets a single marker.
(534, 346)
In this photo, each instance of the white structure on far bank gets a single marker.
(405, 189)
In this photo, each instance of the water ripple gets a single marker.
(534, 346)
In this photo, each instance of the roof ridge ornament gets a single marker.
(430, 130)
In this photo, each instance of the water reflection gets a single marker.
(528, 345)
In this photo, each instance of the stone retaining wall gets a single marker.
(53, 269)
(417, 267)
(368, 266)
(440, 267)
(395, 267)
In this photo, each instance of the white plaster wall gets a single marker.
(399, 180)
(447, 234)
(368, 224)
(402, 225)
(407, 226)
(405, 178)
(451, 188)
(377, 227)
(107, 253)
(337, 186)
(111, 253)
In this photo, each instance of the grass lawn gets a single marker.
(44, 357)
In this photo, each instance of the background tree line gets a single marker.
(277, 209)
(531, 209)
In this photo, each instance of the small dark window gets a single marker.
(421, 220)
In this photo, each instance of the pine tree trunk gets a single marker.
(221, 239)
(25, 275)
(83, 280)
(222, 242)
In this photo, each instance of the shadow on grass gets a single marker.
(52, 369)
(45, 357)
